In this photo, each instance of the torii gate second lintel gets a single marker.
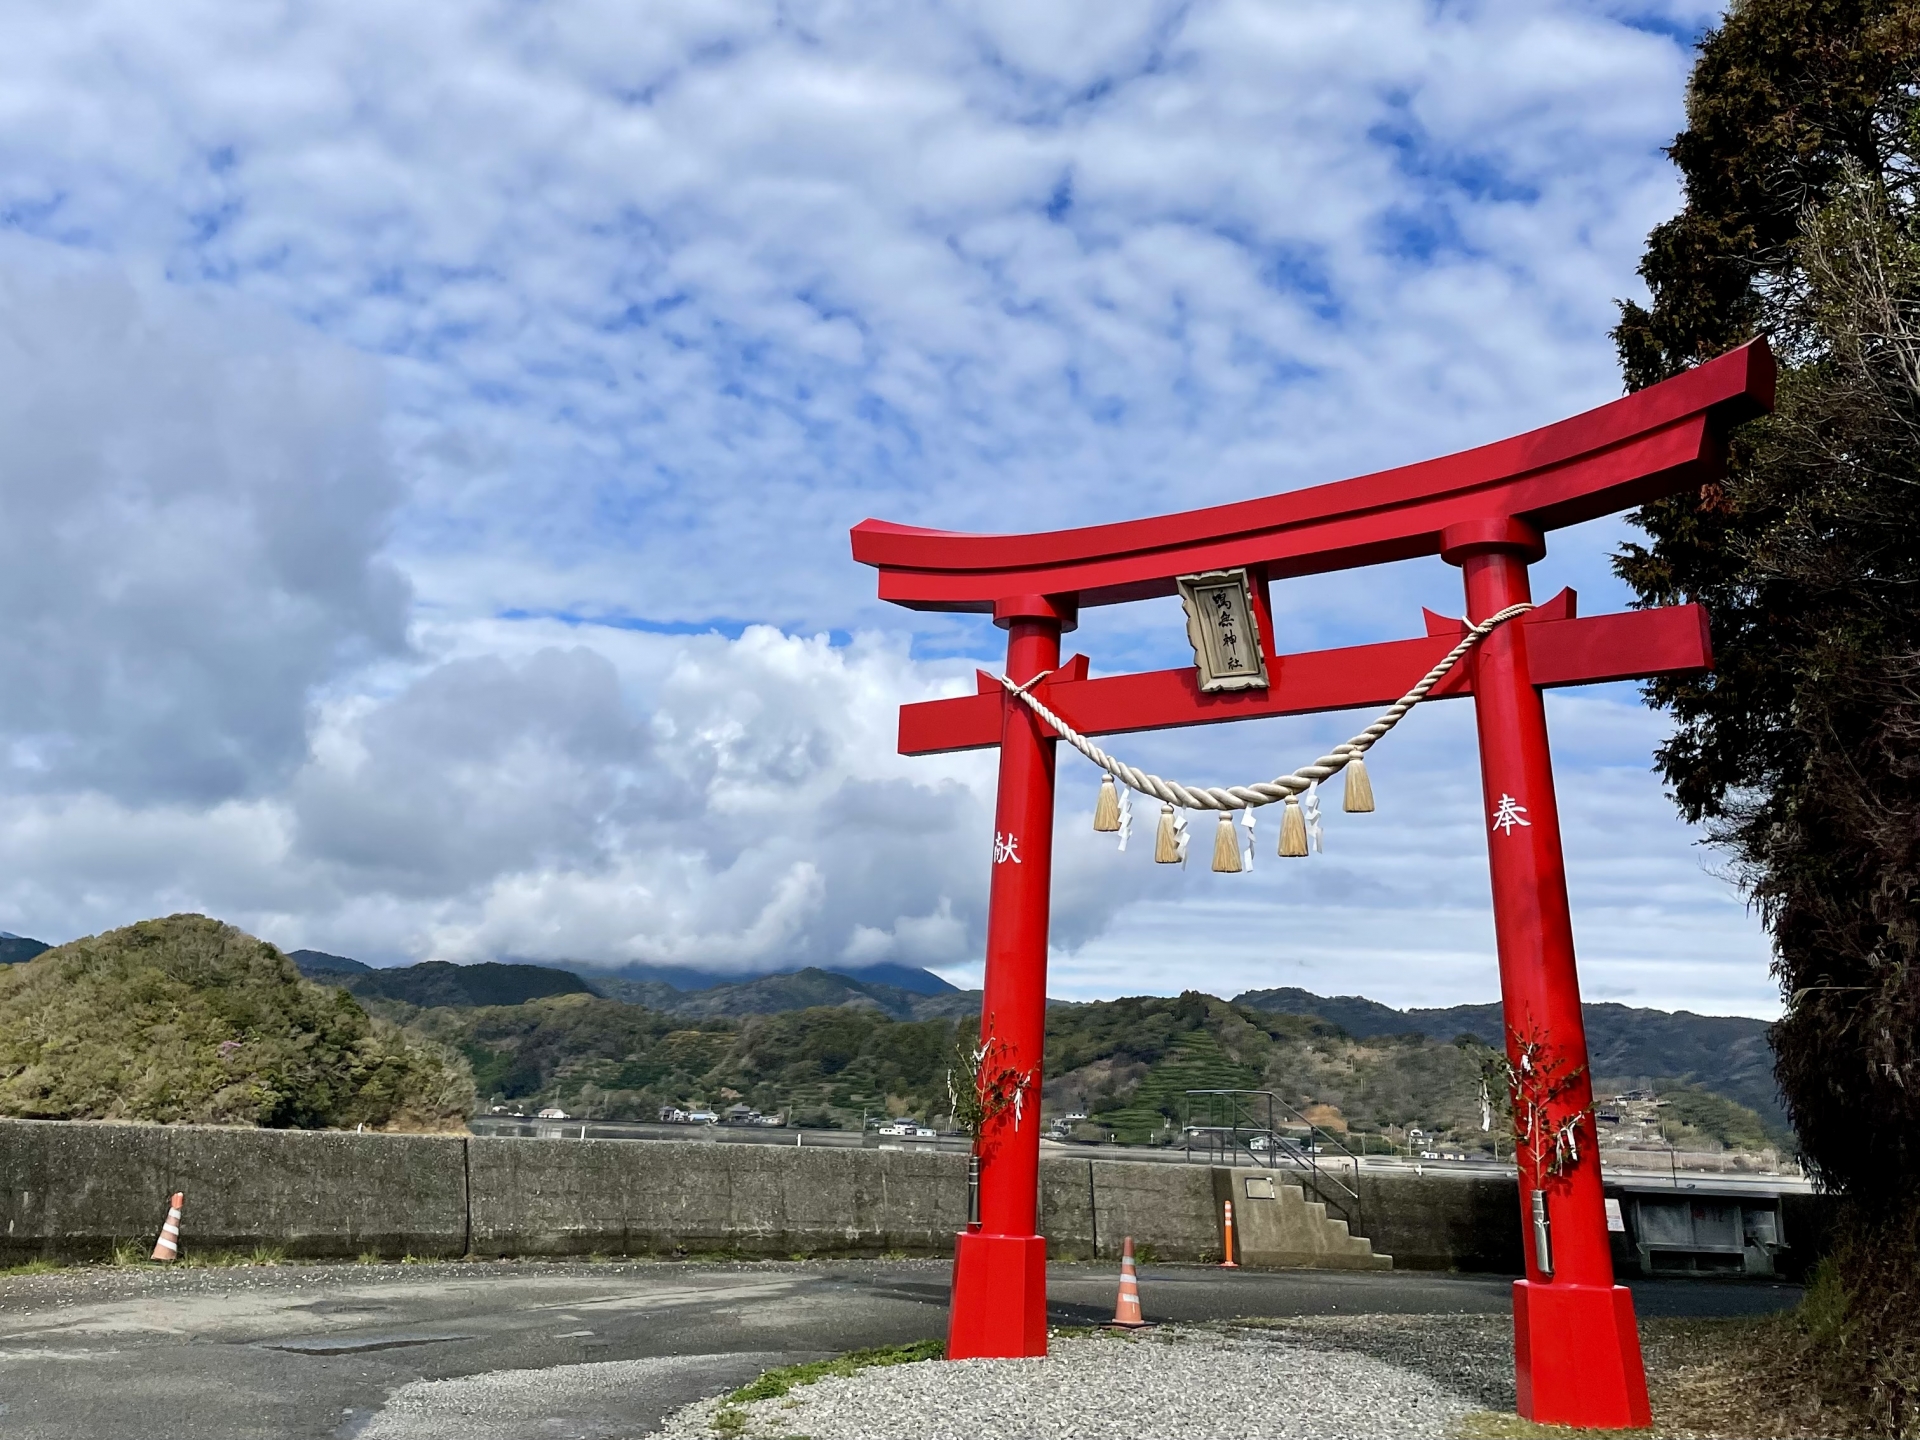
(1577, 1354)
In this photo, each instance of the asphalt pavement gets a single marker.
(323, 1351)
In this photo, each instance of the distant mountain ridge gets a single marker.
(16, 949)
(910, 978)
(319, 962)
(1729, 1054)
(437, 982)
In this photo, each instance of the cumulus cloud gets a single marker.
(714, 802)
(596, 327)
(193, 496)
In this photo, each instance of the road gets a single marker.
(527, 1349)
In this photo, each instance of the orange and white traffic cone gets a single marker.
(167, 1247)
(1229, 1263)
(1126, 1312)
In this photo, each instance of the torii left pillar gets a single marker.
(1000, 1263)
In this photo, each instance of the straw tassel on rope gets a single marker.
(1226, 845)
(1106, 813)
(1166, 840)
(1293, 831)
(1359, 793)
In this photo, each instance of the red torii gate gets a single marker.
(1577, 1350)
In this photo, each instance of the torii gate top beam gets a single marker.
(1626, 452)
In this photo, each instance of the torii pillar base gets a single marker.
(1582, 1341)
(999, 1297)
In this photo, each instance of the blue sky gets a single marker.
(433, 432)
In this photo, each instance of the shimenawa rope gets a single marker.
(1245, 797)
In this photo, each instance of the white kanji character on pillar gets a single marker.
(1509, 813)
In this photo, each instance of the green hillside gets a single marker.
(1634, 1046)
(824, 1066)
(1128, 1063)
(187, 1019)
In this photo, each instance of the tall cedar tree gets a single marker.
(1801, 159)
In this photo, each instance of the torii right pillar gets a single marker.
(1576, 1346)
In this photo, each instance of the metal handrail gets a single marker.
(1276, 1147)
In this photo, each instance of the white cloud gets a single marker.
(626, 314)
(193, 498)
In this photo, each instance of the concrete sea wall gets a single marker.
(74, 1190)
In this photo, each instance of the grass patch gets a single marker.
(232, 1259)
(775, 1383)
(39, 1265)
(128, 1252)
(1497, 1425)
(367, 1257)
(1739, 1379)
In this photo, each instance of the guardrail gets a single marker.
(1243, 1122)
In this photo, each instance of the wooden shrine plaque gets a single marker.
(1224, 633)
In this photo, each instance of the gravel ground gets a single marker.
(1177, 1383)
(1471, 1355)
(564, 1402)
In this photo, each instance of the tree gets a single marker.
(1801, 160)
(189, 1020)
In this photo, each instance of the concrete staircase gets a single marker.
(1277, 1227)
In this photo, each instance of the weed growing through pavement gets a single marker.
(226, 1259)
(127, 1252)
(775, 1383)
(730, 1420)
(39, 1265)
(367, 1257)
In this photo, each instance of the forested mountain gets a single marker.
(1128, 1064)
(318, 962)
(794, 990)
(187, 1019)
(1728, 1054)
(826, 1048)
(436, 982)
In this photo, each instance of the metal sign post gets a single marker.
(1576, 1348)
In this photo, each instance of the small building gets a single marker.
(553, 1112)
